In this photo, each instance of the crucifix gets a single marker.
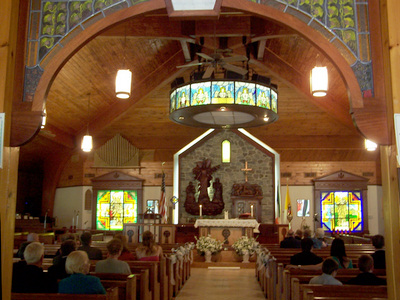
(246, 170)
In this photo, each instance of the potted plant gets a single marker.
(245, 247)
(206, 245)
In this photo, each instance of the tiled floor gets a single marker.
(206, 284)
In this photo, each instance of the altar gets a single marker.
(226, 230)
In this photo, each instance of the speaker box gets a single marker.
(198, 75)
(177, 81)
(261, 79)
(233, 75)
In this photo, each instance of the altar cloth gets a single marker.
(240, 223)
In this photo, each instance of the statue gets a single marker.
(203, 171)
(191, 206)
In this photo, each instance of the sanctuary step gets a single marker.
(225, 258)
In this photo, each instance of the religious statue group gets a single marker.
(203, 173)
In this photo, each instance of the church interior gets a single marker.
(165, 142)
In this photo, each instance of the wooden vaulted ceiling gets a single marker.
(152, 46)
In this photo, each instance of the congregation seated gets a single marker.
(125, 254)
(338, 253)
(379, 256)
(78, 265)
(306, 257)
(290, 241)
(93, 252)
(148, 250)
(111, 264)
(32, 237)
(57, 270)
(29, 277)
(366, 277)
(329, 271)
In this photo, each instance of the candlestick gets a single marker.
(45, 220)
(201, 210)
(251, 210)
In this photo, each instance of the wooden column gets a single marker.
(9, 172)
(389, 166)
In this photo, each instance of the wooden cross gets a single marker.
(246, 170)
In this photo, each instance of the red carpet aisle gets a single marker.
(221, 284)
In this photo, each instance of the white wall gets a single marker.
(299, 192)
(70, 199)
(375, 213)
(67, 200)
(375, 210)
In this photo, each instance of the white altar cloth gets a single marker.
(241, 223)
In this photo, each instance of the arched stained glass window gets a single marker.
(114, 208)
(342, 211)
(226, 151)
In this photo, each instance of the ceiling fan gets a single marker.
(217, 60)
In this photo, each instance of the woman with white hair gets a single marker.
(79, 282)
(319, 239)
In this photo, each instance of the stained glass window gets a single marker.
(114, 208)
(341, 211)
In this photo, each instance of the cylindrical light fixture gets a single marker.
(319, 81)
(123, 83)
(87, 143)
(370, 145)
(44, 116)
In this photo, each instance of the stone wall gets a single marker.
(229, 173)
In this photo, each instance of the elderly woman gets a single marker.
(319, 239)
(148, 250)
(79, 282)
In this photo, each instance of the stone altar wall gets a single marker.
(229, 173)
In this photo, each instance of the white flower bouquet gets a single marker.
(245, 244)
(207, 243)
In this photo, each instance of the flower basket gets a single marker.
(245, 244)
(207, 243)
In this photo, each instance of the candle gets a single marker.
(251, 210)
(201, 210)
(45, 220)
(77, 218)
(73, 222)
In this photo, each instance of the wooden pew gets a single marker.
(304, 276)
(126, 284)
(154, 283)
(349, 291)
(112, 294)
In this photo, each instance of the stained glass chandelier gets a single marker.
(224, 103)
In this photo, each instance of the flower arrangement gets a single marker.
(207, 243)
(244, 244)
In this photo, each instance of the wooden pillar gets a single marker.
(9, 171)
(389, 165)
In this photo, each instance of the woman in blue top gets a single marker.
(79, 282)
(338, 254)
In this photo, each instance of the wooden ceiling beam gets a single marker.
(310, 141)
(58, 136)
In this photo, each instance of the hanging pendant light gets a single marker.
(87, 140)
(370, 145)
(123, 84)
(123, 81)
(319, 80)
(44, 116)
